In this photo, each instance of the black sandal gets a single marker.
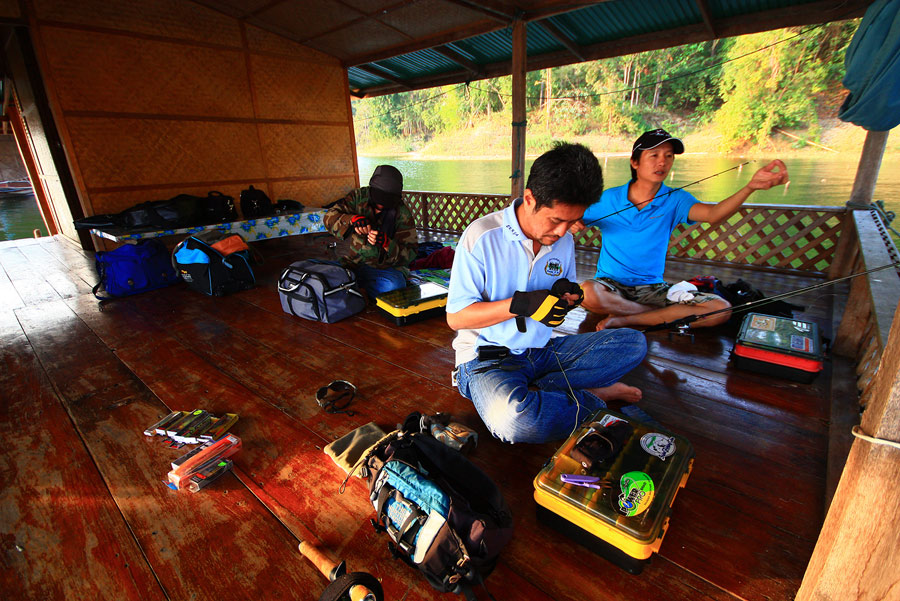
(329, 397)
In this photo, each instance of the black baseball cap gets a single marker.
(386, 186)
(652, 139)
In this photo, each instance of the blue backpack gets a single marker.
(134, 268)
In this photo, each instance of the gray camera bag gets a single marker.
(319, 291)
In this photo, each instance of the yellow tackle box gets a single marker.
(413, 303)
(620, 508)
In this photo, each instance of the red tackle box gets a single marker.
(779, 346)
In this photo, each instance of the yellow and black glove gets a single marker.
(539, 305)
(564, 286)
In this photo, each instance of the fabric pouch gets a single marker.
(230, 244)
(347, 450)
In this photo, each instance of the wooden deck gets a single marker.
(84, 513)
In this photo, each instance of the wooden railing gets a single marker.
(873, 299)
(782, 237)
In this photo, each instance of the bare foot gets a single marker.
(607, 322)
(618, 392)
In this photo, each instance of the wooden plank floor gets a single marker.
(84, 513)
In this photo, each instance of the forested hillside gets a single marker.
(741, 91)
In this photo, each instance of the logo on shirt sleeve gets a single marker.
(553, 267)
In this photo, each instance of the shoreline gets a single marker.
(811, 153)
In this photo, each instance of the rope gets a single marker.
(857, 432)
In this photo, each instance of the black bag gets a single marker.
(183, 210)
(134, 268)
(444, 515)
(286, 205)
(255, 203)
(319, 291)
(218, 208)
(207, 269)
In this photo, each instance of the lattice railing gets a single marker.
(790, 237)
(450, 213)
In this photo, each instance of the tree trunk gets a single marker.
(656, 90)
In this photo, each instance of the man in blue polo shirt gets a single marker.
(637, 220)
(513, 281)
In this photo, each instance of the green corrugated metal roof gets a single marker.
(604, 29)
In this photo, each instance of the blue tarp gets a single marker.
(873, 69)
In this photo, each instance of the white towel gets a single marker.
(682, 292)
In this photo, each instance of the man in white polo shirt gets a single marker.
(513, 281)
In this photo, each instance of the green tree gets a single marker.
(777, 87)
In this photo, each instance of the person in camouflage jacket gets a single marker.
(380, 229)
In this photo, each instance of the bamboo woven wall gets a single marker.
(158, 98)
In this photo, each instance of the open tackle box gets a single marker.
(620, 507)
(413, 303)
(779, 346)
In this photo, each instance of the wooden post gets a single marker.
(857, 552)
(517, 178)
(869, 164)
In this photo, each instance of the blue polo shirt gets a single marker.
(493, 260)
(635, 241)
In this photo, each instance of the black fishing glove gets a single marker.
(382, 240)
(563, 286)
(359, 221)
(539, 305)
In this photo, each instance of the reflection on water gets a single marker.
(19, 217)
(824, 181)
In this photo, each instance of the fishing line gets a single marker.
(740, 308)
(569, 384)
(637, 204)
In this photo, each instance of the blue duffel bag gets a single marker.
(134, 268)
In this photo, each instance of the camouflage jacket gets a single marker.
(402, 247)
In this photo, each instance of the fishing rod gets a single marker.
(638, 204)
(684, 322)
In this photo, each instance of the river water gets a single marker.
(825, 181)
(821, 180)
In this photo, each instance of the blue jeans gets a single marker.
(525, 398)
(377, 281)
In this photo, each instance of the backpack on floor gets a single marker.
(444, 515)
(134, 268)
(320, 291)
(214, 263)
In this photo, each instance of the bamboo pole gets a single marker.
(517, 186)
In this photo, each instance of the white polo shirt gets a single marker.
(493, 260)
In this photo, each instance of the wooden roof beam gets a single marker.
(439, 39)
(459, 59)
(703, 6)
(563, 39)
(382, 73)
(496, 13)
